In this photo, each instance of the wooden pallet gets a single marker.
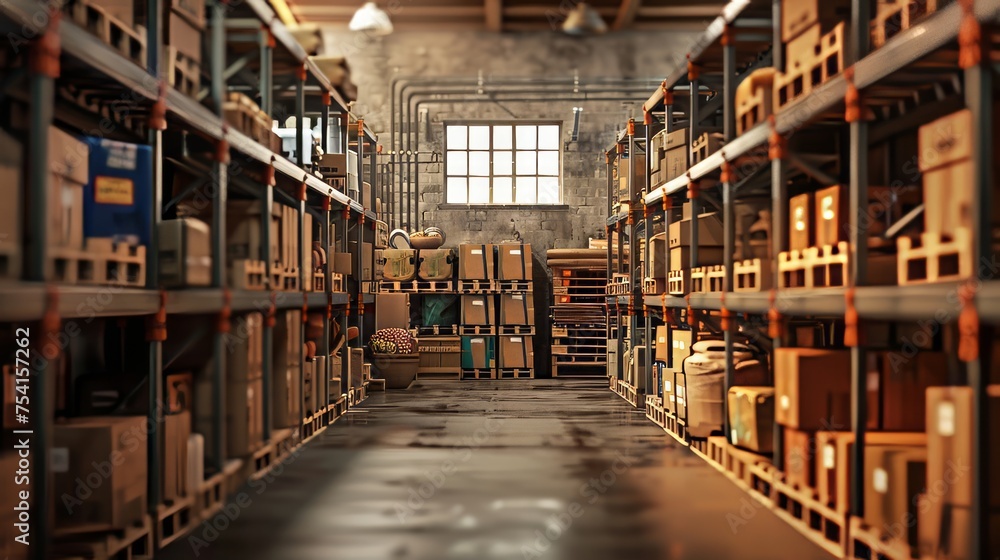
(439, 374)
(357, 395)
(183, 72)
(319, 281)
(245, 274)
(752, 275)
(655, 412)
(896, 16)
(704, 146)
(752, 472)
(514, 285)
(478, 373)
(174, 520)
(131, 43)
(935, 258)
(515, 373)
(312, 425)
(753, 99)
(211, 494)
(336, 282)
(134, 542)
(516, 329)
(618, 285)
(627, 392)
(101, 262)
(707, 279)
(337, 409)
(284, 278)
(799, 508)
(869, 542)
(435, 330)
(476, 286)
(827, 267)
(415, 286)
(477, 330)
(654, 286)
(678, 281)
(712, 449)
(827, 62)
(243, 114)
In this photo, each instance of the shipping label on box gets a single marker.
(475, 262)
(517, 309)
(478, 310)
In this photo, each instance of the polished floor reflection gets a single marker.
(560, 470)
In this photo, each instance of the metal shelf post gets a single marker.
(779, 234)
(267, 353)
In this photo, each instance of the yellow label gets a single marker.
(113, 190)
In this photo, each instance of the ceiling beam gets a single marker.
(544, 12)
(707, 11)
(626, 14)
(494, 15)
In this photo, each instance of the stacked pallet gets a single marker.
(579, 319)
(706, 275)
(516, 317)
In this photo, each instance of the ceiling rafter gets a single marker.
(626, 14)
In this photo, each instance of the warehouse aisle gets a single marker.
(546, 469)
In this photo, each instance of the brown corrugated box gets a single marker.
(800, 222)
(831, 215)
(478, 310)
(833, 461)
(475, 262)
(181, 35)
(285, 395)
(111, 450)
(287, 339)
(440, 352)
(245, 347)
(751, 418)
(675, 154)
(516, 352)
(243, 231)
(902, 388)
(354, 365)
(657, 256)
(514, 261)
(185, 253)
(894, 477)
(710, 232)
(949, 442)
(680, 257)
(244, 418)
(392, 311)
(68, 173)
(812, 388)
(176, 431)
(800, 449)
(517, 308)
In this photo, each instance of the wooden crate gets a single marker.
(101, 262)
(678, 281)
(806, 73)
(870, 542)
(896, 16)
(827, 267)
(133, 543)
(245, 274)
(752, 275)
(654, 286)
(183, 72)
(754, 99)
(799, 508)
(705, 145)
(131, 43)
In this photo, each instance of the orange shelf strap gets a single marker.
(270, 319)
(968, 324)
(44, 55)
(850, 319)
(693, 190)
(728, 174)
(158, 111)
(156, 324)
(970, 37)
(852, 98)
(777, 145)
(222, 323)
(776, 321)
(631, 127)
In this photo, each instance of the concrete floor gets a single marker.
(561, 470)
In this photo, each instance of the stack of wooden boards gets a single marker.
(579, 318)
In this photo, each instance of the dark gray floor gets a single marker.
(496, 470)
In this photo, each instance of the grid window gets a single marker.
(503, 163)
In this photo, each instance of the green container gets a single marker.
(440, 310)
(478, 352)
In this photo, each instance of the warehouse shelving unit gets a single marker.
(762, 160)
(241, 37)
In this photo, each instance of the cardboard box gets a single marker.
(178, 392)
(637, 370)
(831, 215)
(800, 15)
(245, 346)
(657, 256)
(812, 388)
(902, 388)
(710, 233)
(705, 145)
(176, 431)
(117, 199)
(11, 189)
(243, 231)
(675, 154)
(800, 449)
(478, 309)
(516, 352)
(517, 308)
(514, 261)
(942, 535)
(800, 222)
(333, 165)
(185, 253)
(244, 417)
(475, 262)
(400, 264)
(680, 257)
(894, 477)
(287, 339)
(392, 311)
(662, 345)
(751, 418)
(440, 352)
(285, 396)
(436, 264)
(181, 35)
(680, 343)
(945, 141)
(78, 444)
(833, 461)
(68, 174)
(342, 263)
(478, 352)
(949, 443)
(356, 359)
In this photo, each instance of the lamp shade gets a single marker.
(370, 18)
(584, 20)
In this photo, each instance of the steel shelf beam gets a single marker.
(206, 301)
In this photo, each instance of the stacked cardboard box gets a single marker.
(476, 262)
(679, 241)
(669, 156)
(672, 351)
(514, 261)
(516, 352)
(110, 450)
(185, 253)
(179, 393)
(68, 174)
(479, 309)
(286, 368)
(478, 352)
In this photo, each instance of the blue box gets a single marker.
(118, 196)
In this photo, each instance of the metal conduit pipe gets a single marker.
(407, 168)
(414, 191)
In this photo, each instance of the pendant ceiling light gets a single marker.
(371, 19)
(584, 20)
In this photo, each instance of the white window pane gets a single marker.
(503, 163)
(457, 137)
(548, 137)
(458, 163)
(479, 137)
(479, 164)
(479, 190)
(456, 190)
(502, 137)
(548, 190)
(525, 190)
(548, 163)
(503, 190)
(527, 135)
(526, 163)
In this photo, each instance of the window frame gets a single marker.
(492, 123)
